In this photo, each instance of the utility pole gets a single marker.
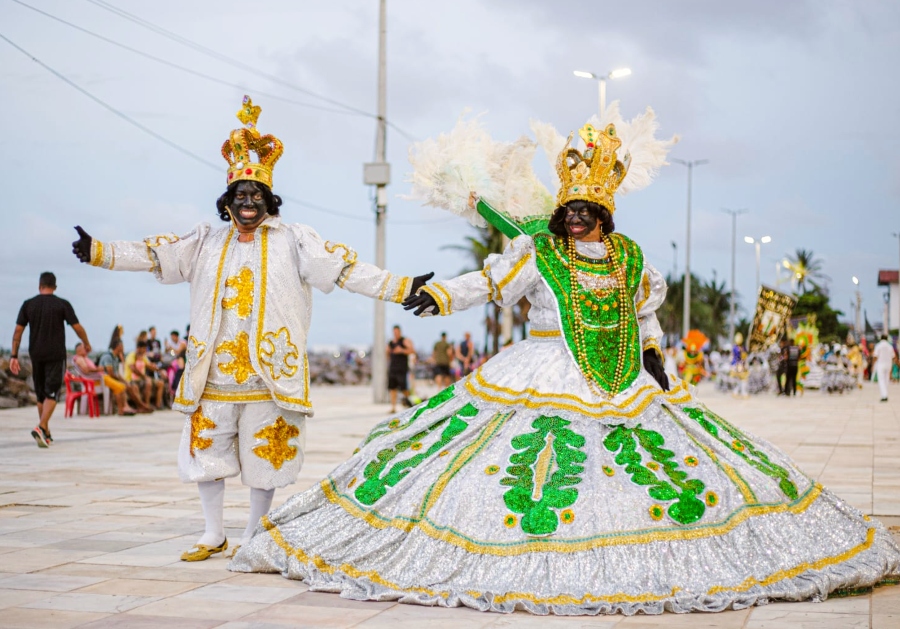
(734, 215)
(686, 314)
(378, 174)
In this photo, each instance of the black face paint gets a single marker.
(249, 207)
(580, 221)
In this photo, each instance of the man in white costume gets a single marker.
(245, 388)
(884, 360)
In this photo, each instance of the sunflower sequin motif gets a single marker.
(242, 300)
(199, 423)
(239, 367)
(567, 516)
(278, 354)
(656, 512)
(277, 450)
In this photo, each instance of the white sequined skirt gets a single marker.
(517, 488)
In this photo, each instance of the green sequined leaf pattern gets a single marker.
(377, 482)
(601, 310)
(624, 441)
(433, 402)
(543, 473)
(738, 443)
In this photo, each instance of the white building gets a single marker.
(891, 279)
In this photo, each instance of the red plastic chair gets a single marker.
(87, 389)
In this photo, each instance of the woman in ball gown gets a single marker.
(570, 474)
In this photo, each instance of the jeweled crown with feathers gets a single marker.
(243, 141)
(446, 169)
(595, 174)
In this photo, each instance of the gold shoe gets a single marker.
(201, 552)
(234, 551)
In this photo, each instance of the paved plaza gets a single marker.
(92, 528)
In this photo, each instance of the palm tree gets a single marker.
(489, 240)
(806, 269)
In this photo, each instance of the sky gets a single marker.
(793, 103)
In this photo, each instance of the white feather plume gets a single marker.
(447, 168)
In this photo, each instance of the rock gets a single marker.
(10, 402)
(14, 387)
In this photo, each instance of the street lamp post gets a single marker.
(734, 215)
(613, 74)
(758, 242)
(858, 323)
(686, 313)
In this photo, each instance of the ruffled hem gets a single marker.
(355, 575)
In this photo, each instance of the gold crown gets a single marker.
(238, 146)
(595, 175)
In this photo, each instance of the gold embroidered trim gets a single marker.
(199, 346)
(215, 395)
(215, 299)
(96, 252)
(442, 307)
(402, 289)
(278, 353)
(387, 282)
(514, 271)
(447, 295)
(544, 333)
(678, 394)
(485, 273)
(650, 343)
(645, 287)
(179, 397)
(349, 258)
(155, 241)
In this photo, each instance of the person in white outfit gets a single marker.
(884, 359)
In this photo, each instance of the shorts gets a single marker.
(116, 386)
(48, 378)
(397, 381)
(441, 370)
(260, 441)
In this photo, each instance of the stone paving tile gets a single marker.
(47, 582)
(141, 587)
(19, 598)
(84, 602)
(240, 593)
(22, 618)
(181, 607)
(133, 621)
(325, 617)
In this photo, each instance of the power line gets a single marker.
(180, 67)
(184, 151)
(184, 41)
(219, 56)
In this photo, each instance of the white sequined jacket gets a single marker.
(288, 261)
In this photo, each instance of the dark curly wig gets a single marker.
(273, 201)
(558, 219)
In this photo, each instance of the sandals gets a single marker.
(233, 551)
(202, 552)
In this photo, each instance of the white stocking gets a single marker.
(212, 499)
(260, 502)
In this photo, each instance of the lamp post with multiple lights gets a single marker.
(601, 79)
(758, 242)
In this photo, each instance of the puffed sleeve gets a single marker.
(505, 279)
(170, 258)
(649, 297)
(326, 264)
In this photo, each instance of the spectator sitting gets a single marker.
(140, 371)
(154, 347)
(85, 368)
(111, 362)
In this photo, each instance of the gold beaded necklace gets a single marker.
(617, 269)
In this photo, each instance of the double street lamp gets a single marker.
(613, 74)
(758, 242)
(858, 305)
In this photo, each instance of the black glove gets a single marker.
(82, 247)
(653, 364)
(419, 281)
(422, 301)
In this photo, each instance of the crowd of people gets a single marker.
(792, 366)
(141, 380)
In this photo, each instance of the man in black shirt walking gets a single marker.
(793, 363)
(47, 315)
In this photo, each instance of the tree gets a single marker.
(489, 240)
(816, 302)
(807, 270)
(710, 308)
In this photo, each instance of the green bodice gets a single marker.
(610, 327)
